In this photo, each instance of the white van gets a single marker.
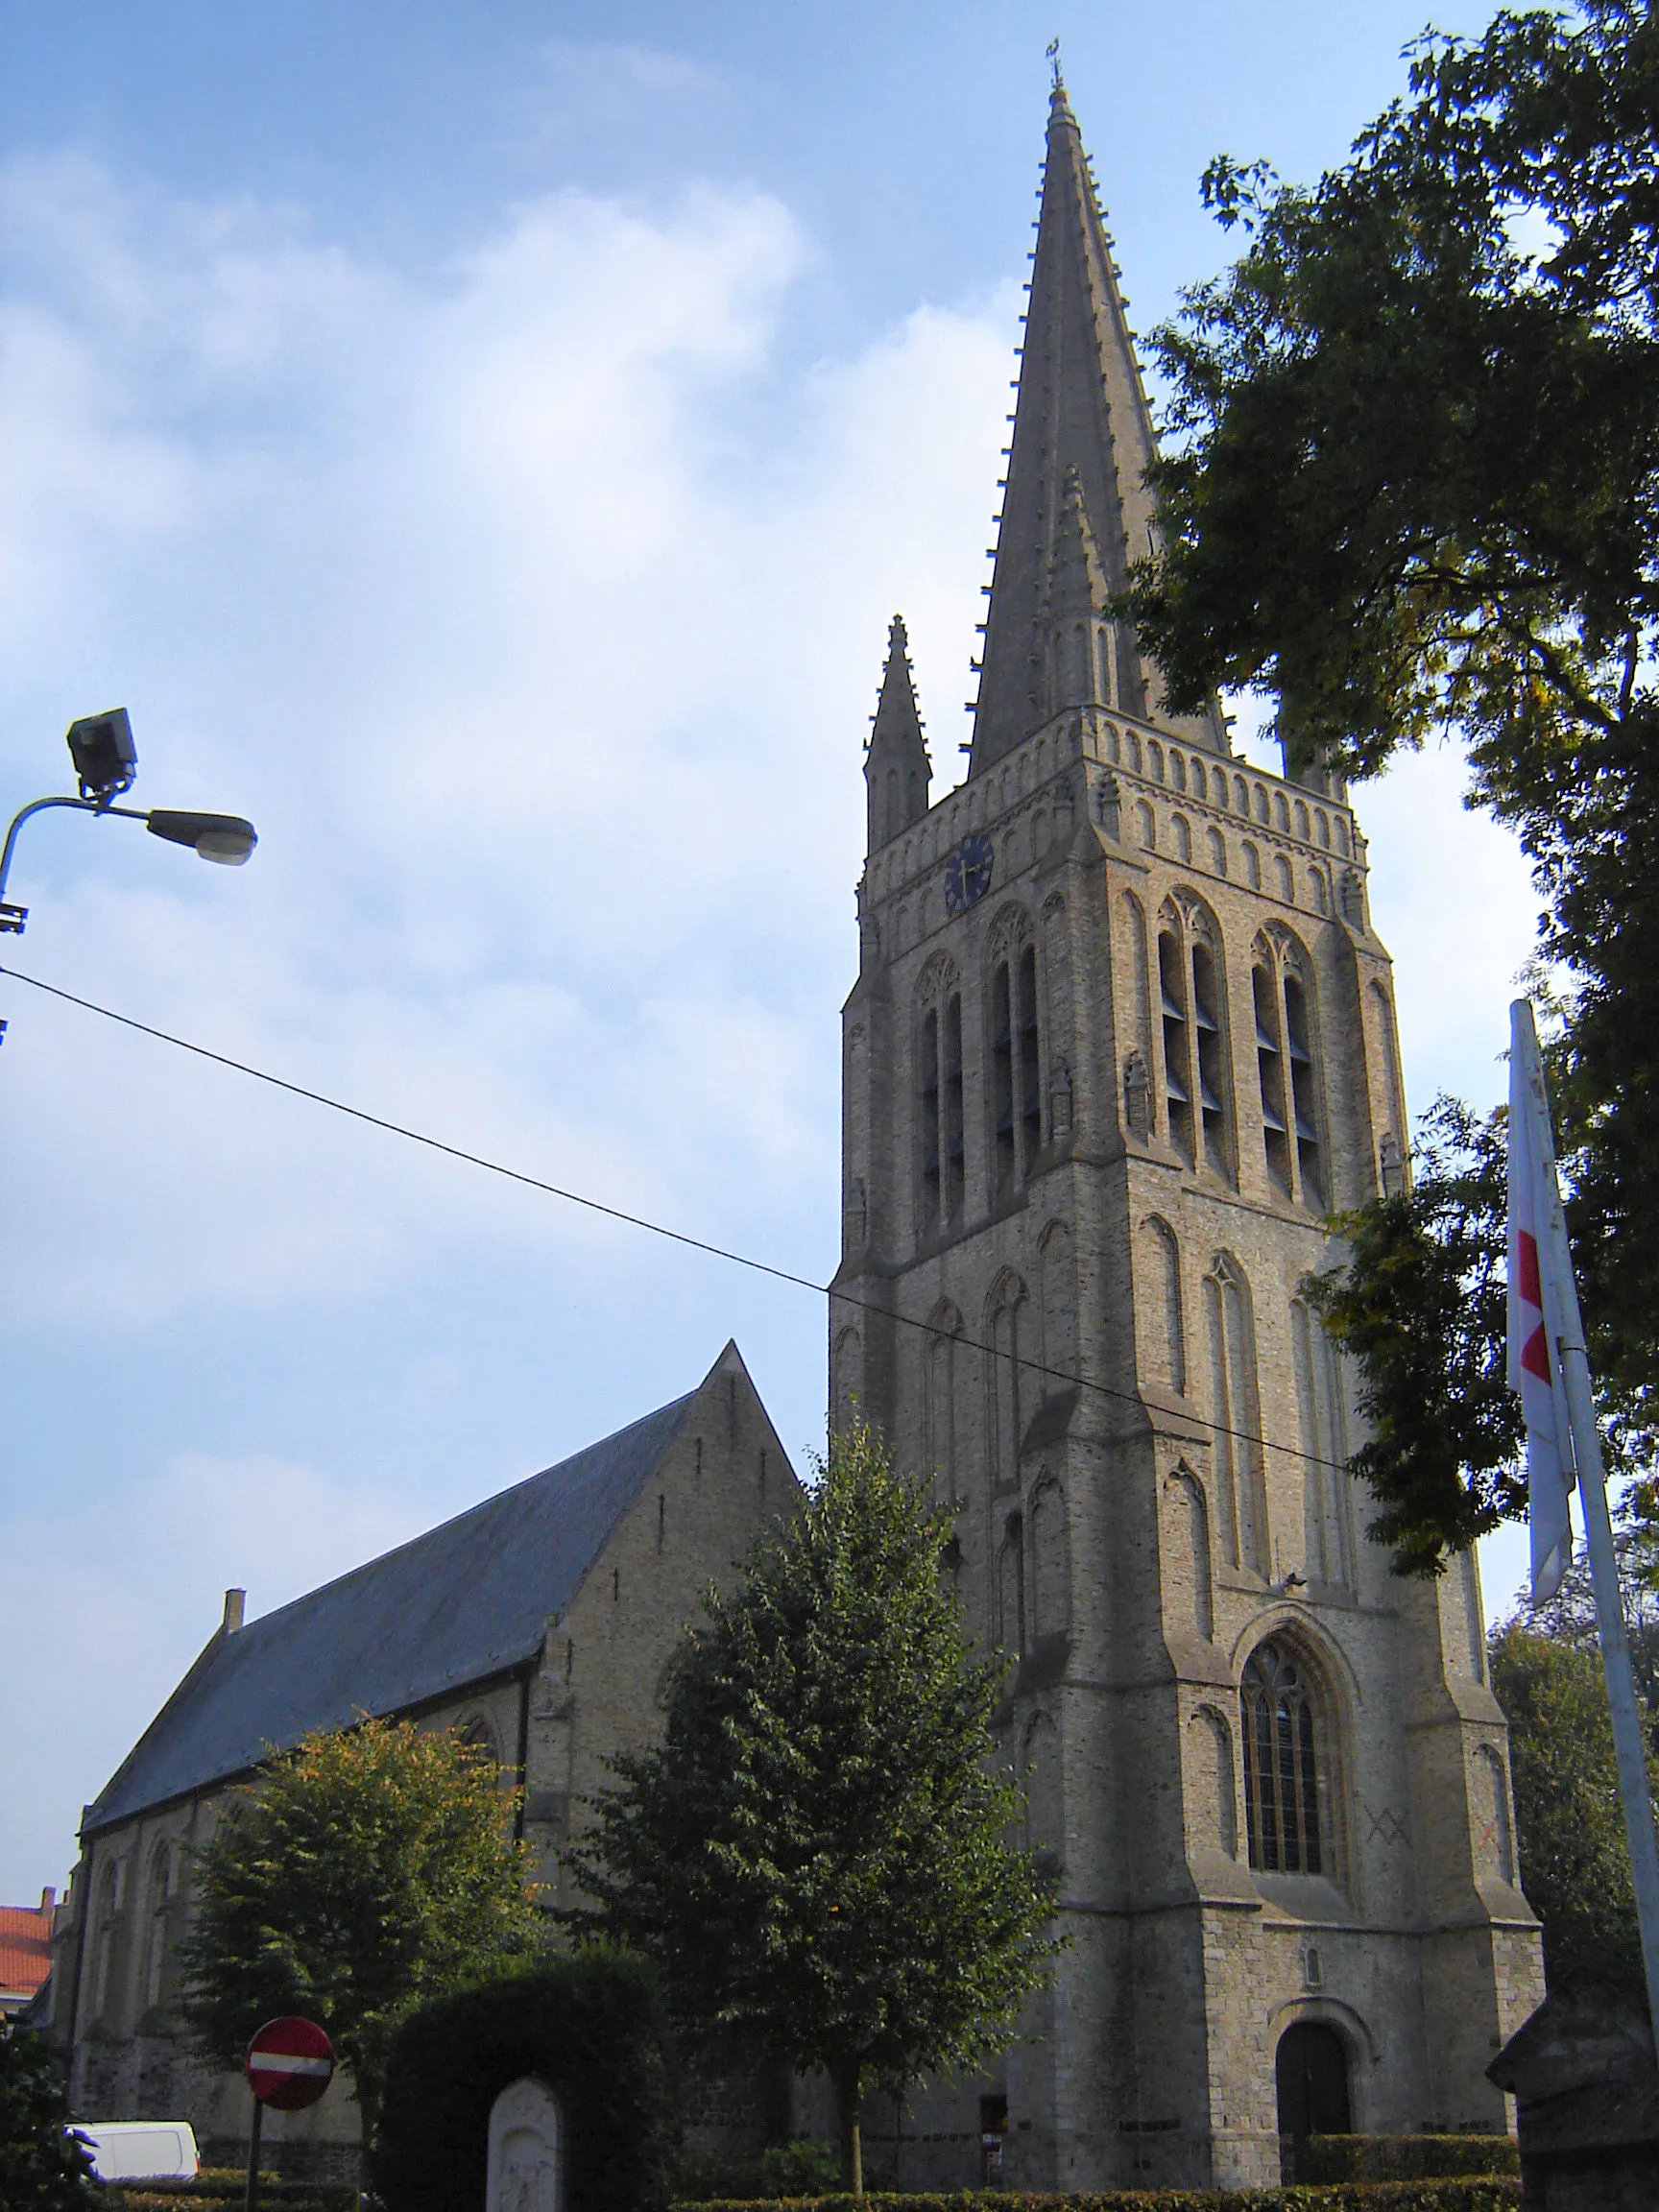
(140, 2150)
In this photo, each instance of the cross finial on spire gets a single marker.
(1053, 50)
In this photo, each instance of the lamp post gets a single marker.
(106, 763)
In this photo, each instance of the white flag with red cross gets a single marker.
(1534, 1372)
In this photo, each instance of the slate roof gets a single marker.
(469, 1599)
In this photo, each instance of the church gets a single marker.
(1121, 1037)
(541, 1625)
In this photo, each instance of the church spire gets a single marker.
(1078, 457)
(895, 764)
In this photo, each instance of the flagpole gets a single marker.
(1567, 1333)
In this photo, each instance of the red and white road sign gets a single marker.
(289, 2064)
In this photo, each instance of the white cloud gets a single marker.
(123, 1600)
(535, 616)
(546, 689)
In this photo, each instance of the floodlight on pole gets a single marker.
(106, 765)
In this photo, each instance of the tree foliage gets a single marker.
(1569, 1821)
(1420, 1306)
(817, 1855)
(41, 2168)
(1415, 489)
(360, 1874)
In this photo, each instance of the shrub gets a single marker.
(40, 2165)
(593, 2028)
(1480, 2194)
(274, 2197)
(1406, 2157)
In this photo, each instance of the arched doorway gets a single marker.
(1312, 2076)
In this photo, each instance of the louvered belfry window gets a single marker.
(1281, 1763)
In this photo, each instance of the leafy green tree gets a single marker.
(817, 1855)
(1570, 1822)
(1415, 489)
(361, 1873)
(1420, 1305)
(41, 2168)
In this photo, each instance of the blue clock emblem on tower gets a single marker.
(967, 873)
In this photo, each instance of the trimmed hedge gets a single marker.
(1406, 2157)
(592, 2026)
(228, 2185)
(1481, 2194)
(158, 2197)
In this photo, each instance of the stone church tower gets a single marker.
(1122, 1034)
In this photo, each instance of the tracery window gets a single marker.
(1281, 1780)
(1195, 1078)
(1290, 1114)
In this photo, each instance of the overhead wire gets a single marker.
(520, 1175)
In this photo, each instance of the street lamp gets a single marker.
(106, 764)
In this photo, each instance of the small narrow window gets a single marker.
(1218, 845)
(1104, 692)
(1252, 866)
(1284, 878)
(1031, 1064)
(1262, 809)
(955, 1158)
(1241, 797)
(1178, 770)
(1281, 814)
(1182, 835)
(931, 1163)
(1302, 820)
(1145, 828)
(1003, 1140)
(1177, 1070)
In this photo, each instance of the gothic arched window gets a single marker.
(477, 1740)
(939, 1351)
(160, 1909)
(110, 1900)
(1007, 1317)
(1016, 1058)
(1282, 1727)
(1328, 1510)
(1195, 1076)
(1236, 1415)
(1011, 1586)
(941, 1162)
(1291, 1118)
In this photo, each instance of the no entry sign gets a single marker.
(289, 2064)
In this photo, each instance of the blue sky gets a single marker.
(485, 444)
